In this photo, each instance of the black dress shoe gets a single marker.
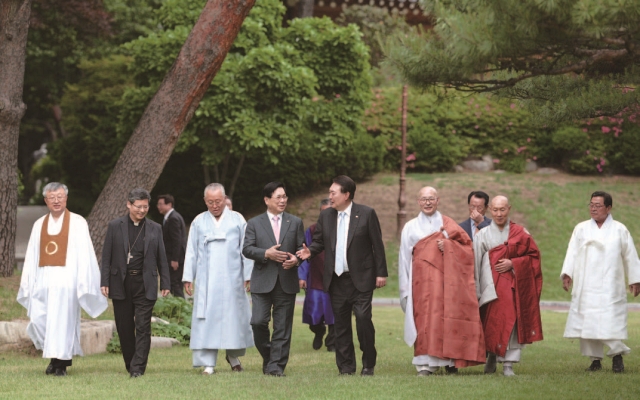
(135, 374)
(331, 349)
(50, 370)
(277, 374)
(317, 341)
(618, 365)
(595, 366)
(367, 372)
(347, 373)
(450, 370)
(61, 371)
(237, 368)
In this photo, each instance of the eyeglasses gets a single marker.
(478, 208)
(59, 197)
(427, 200)
(596, 206)
(280, 198)
(217, 203)
(140, 208)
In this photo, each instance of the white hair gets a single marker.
(213, 187)
(53, 186)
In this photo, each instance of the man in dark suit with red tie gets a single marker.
(355, 265)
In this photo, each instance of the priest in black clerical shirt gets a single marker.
(132, 258)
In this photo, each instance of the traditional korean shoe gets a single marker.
(235, 368)
(618, 365)
(490, 366)
(424, 372)
(450, 370)
(595, 366)
(507, 370)
(208, 371)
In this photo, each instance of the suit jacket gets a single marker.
(365, 249)
(258, 238)
(114, 259)
(174, 234)
(466, 225)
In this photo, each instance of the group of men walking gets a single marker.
(470, 291)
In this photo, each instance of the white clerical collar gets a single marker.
(167, 214)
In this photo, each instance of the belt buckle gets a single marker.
(134, 272)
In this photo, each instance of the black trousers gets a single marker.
(274, 349)
(176, 280)
(133, 322)
(345, 300)
(330, 339)
(58, 363)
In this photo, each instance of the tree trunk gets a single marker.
(170, 110)
(304, 9)
(236, 175)
(14, 26)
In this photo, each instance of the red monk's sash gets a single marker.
(518, 293)
(445, 307)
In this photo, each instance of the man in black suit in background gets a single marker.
(478, 202)
(174, 234)
(271, 240)
(132, 257)
(354, 266)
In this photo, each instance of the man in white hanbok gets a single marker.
(214, 260)
(60, 275)
(600, 253)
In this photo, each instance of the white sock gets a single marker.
(208, 370)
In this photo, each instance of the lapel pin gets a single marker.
(356, 216)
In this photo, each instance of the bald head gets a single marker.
(500, 209)
(428, 200)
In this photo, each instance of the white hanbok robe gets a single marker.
(214, 262)
(597, 261)
(413, 232)
(53, 295)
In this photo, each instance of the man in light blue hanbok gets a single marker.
(214, 262)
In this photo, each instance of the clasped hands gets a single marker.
(503, 265)
(287, 259)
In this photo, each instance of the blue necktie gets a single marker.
(340, 245)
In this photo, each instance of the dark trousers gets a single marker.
(330, 339)
(135, 333)
(345, 299)
(58, 363)
(176, 280)
(274, 349)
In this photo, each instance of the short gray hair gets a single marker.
(325, 202)
(53, 186)
(212, 187)
(138, 194)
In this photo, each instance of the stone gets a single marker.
(159, 320)
(13, 335)
(547, 171)
(487, 158)
(477, 165)
(499, 171)
(27, 215)
(158, 342)
(458, 168)
(530, 166)
(95, 335)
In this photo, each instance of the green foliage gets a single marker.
(180, 332)
(174, 309)
(565, 60)
(114, 344)
(442, 133)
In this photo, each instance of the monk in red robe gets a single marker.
(508, 283)
(437, 291)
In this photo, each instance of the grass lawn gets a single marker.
(552, 368)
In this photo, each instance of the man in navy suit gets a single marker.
(478, 203)
(354, 265)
